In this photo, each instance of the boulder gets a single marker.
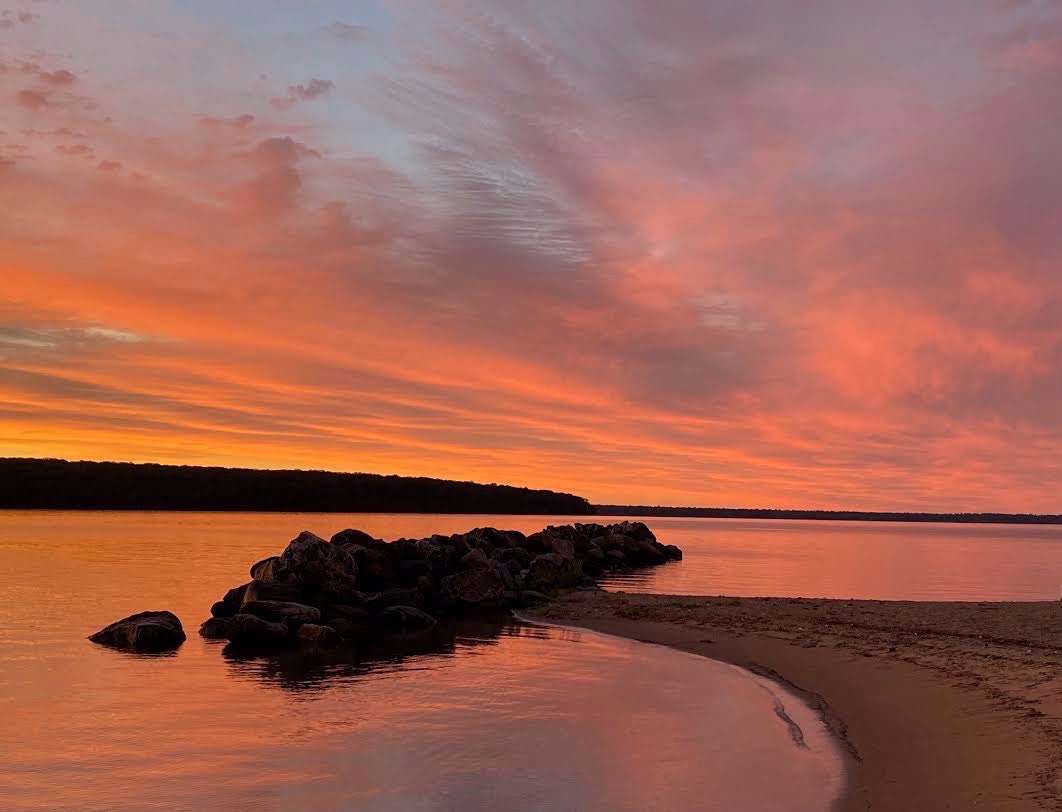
(562, 547)
(552, 570)
(317, 563)
(272, 570)
(474, 558)
(144, 631)
(478, 588)
(673, 552)
(252, 631)
(293, 614)
(215, 628)
(270, 591)
(345, 538)
(394, 597)
(407, 617)
(314, 636)
(230, 604)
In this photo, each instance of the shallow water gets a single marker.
(487, 715)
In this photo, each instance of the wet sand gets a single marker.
(939, 706)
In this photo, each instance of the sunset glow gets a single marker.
(732, 254)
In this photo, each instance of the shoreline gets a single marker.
(934, 705)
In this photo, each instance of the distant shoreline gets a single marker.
(825, 515)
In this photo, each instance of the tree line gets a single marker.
(60, 484)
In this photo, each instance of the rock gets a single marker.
(673, 552)
(356, 614)
(407, 617)
(552, 570)
(409, 571)
(314, 636)
(293, 614)
(345, 538)
(394, 597)
(563, 547)
(215, 628)
(269, 591)
(594, 560)
(476, 588)
(474, 558)
(144, 631)
(315, 562)
(230, 604)
(615, 558)
(529, 597)
(636, 530)
(250, 630)
(272, 570)
(518, 554)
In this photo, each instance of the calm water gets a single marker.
(879, 560)
(486, 716)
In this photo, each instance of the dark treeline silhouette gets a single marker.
(58, 484)
(826, 515)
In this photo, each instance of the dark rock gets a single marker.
(356, 614)
(230, 604)
(518, 554)
(615, 558)
(144, 631)
(413, 569)
(315, 562)
(562, 547)
(474, 558)
(269, 591)
(394, 597)
(314, 636)
(476, 588)
(673, 552)
(345, 538)
(215, 628)
(407, 617)
(288, 612)
(594, 560)
(250, 630)
(552, 570)
(529, 597)
(272, 570)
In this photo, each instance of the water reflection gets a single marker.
(302, 671)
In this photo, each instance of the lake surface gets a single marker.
(486, 715)
(875, 560)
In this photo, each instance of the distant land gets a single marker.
(63, 485)
(826, 515)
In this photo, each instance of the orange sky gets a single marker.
(706, 253)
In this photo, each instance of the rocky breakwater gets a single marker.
(317, 593)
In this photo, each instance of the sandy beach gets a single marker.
(938, 706)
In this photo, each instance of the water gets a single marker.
(488, 715)
(876, 560)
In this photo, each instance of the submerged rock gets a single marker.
(144, 631)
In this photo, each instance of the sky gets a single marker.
(754, 253)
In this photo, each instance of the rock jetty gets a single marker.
(317, 593)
